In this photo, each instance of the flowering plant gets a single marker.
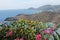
(27, 30)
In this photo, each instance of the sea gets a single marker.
(11, 13)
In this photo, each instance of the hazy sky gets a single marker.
(23, 4)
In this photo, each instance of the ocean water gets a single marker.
(10, 13)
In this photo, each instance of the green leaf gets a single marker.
(56, 35)
(51, 38)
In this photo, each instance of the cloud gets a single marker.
(22, 4)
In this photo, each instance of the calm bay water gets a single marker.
(10, 13)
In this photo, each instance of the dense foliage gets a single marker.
(28, 30)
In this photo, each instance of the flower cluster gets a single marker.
(25, 30)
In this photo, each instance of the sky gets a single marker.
(24, 4)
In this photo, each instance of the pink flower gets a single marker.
(10, 33)
(22, 38)
(16, 39)
(51, 31)
(45, 31)
(38, 37)
(45, 38)
(7, 34)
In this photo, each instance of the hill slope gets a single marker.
(43, 16)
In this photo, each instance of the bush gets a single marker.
(27, 30)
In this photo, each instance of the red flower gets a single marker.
(10, 33)
(38, 37)
(22, 38)
(16, 39)
(7, 34)
(51, 31)
(45, 31)
(45, 38)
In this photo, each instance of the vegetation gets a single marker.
(28, 30)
